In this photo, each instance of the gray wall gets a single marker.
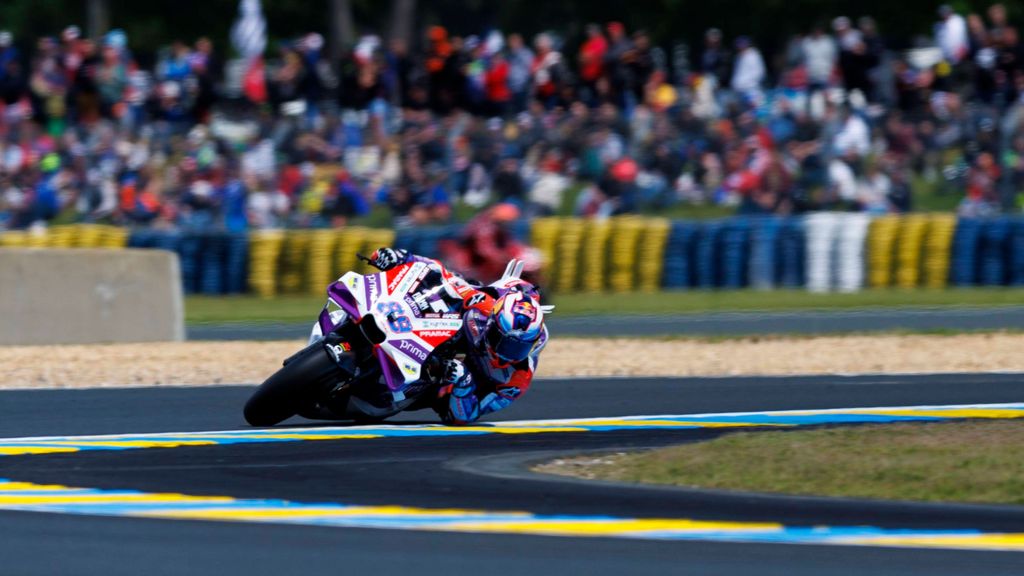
(78, 296)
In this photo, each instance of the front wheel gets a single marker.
(292, 388)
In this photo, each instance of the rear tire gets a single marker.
(292, 388)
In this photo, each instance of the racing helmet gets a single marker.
(514, 327)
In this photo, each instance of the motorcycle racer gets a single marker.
(502, 336)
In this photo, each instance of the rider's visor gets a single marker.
(507, 346)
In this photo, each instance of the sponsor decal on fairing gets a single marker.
(413, 349)
(371, 287)
(435, 333)
(439, 324)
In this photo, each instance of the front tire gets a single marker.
(292, 388)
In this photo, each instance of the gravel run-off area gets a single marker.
(205, 363)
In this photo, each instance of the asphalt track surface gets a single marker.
(483, 471)
(706, 324)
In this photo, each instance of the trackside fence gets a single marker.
(820, 252)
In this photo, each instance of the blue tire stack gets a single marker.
(678, 269)
(211, 260)
(1016, 249)
(189, 248)
(140, 239)
(764, 252)
(236, 263)
(994, 255)
(791, 253)
(735, 252)
(707, 255)
(963, 268)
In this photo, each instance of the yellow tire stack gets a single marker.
(293, 264)
(321, 260)
(89, 236)
(544, 237)
(264, 253)
(881, 247)
(61, 236)
(594, 254)
(567, 254)
(937, 246)
(13, 239)
(113, 237)
(625, 236)
(350, 241)
(37, 238)
(651, 254)
(908, 250)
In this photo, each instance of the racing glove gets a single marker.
(388, 258)
(457, 383)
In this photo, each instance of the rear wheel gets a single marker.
(293, 388)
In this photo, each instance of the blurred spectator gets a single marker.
(592, 62)
(951, 35)
(520, 68)
(547, 71)
(819, 57)
(748, 71)
(715, 59)
(412, 131)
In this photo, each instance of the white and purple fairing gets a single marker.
(414, 309)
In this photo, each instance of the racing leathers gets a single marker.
(481, 382)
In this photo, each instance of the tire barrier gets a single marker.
(567, 250)
(67, 236)
(909, 247)
(211, 263)
(651, 254)
(593, 260)
(705, 255)
(765, 235)
(1017, 254)
(320, 261)
(936, 257)
(264, 253)
(735, 254)
(623, 253)
(819, 252)
(964, 253)
(850, 261)
(544, 237)
(881, 250)
(995, 252)
(822, 236)
(792, 253)
(679, 255)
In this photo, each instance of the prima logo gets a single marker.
(372, 286)
(414, 349)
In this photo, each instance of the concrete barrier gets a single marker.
(58, 296)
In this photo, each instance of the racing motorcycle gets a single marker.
(376, 349)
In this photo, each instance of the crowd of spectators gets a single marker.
(604, 124)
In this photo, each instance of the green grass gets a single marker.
(252, 309)
(976, 461)
(216, 309)
(685, 302)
